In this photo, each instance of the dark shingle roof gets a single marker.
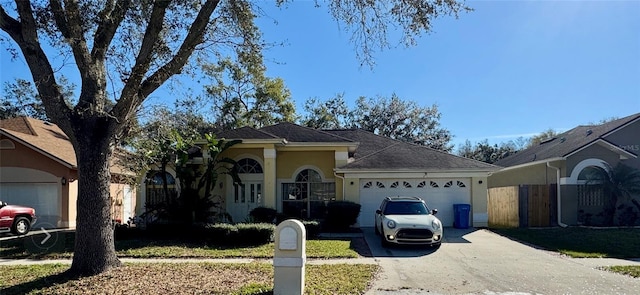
(296, 133)
(379, 152)
(245, 133)
(565, 143)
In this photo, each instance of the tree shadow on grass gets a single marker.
(40, 283)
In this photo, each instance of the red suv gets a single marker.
(17, 219)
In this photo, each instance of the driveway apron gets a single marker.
(481, 262)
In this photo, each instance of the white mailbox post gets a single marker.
(289, 258)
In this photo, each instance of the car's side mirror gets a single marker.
(378, 211)
(434, 211)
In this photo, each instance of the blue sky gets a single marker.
(507, 69)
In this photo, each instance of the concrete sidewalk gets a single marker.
(190, 260)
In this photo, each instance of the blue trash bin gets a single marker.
(461, 215)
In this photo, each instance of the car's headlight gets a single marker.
(436, 224)
(391, 224)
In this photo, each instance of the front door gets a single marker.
(245, 197)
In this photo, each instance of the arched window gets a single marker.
(308, 175)
(308, 196)
(154, 191)
(248, 165)
(591, 173)
(155, 178)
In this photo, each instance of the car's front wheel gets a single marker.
(21, 226)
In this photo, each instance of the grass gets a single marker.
(631, 270)
(182, 278)
(170, 249)
(581, 242)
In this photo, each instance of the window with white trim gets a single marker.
(308, 196)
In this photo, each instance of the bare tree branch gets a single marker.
(175, 65)
(24, 33)
(110, 19)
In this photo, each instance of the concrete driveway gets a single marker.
(482, 262)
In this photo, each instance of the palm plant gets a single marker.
(619, 183)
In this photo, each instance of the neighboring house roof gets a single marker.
(41, 136)
(48, 139)
(569, 142)
(296, 133)
(382, 153)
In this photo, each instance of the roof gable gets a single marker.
(41, 136)
(567, 143)
(48, 139)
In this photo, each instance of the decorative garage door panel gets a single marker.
(439, 194)
(44, 197)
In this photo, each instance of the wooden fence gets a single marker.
(522, 206)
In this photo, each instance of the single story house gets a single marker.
(565, 161)
(38, 169)
(298, 170)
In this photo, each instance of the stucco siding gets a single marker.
(628, 138)
(536, 174)
(289, 162)
(237, 153)
(479, 200)
(592, 152)
(25, 157)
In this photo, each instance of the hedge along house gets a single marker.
(566, 160)
(38, 169)
(298, 170)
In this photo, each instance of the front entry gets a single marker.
(245, 197)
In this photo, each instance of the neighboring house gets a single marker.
(298, 170)
(38, 169)
(565, 161)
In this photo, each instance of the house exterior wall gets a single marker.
(479, 197)
(592, 152)
(289, 162)
(535, 174)
(22, 156)
(628, 138)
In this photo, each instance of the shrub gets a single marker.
(255, 233)
(312, 227)
(238, 234)
(341, 215)
(263, 214)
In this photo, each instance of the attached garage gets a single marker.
(439, 194)
(44, 197)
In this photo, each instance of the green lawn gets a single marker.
(172, 249)
(581, 242)
(632, 270)
(182, 278)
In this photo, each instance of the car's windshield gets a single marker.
(406, 208)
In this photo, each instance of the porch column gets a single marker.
(269, 198)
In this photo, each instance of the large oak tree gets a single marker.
(127, 49)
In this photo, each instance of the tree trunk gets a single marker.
(94, 243)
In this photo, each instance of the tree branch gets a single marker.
(128, 101)
(69, 23)
(175, 65)
(110, 18)
(24, 33)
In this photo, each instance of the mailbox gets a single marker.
(289, 258)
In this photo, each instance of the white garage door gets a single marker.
(439, 194)
(43, 197)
